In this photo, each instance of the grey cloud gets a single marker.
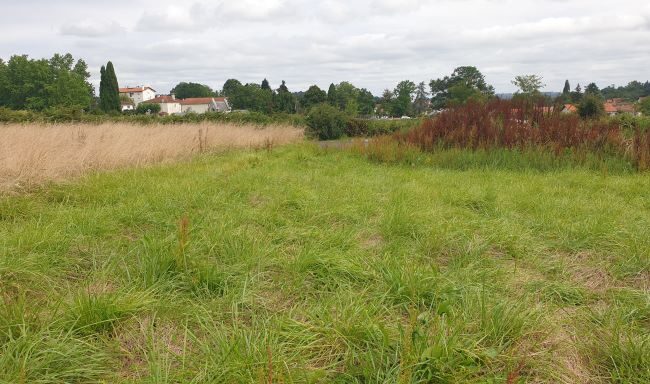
(373, 43)
(91, 29)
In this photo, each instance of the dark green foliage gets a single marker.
(591, 106)
(109, 91)
(592, 89)
(313, 96)
(231, 87)
(284, 101)
(188, 90)
(39, 84)
(403, 104)
(421, 102)
(147, 109)
(366, 103)
(462, 79)
(631, 92)
(266, 85)
(370, 128)
(567, 88)
(331, 94)
(326, 122)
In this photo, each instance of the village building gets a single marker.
(169, 105)
(569, 108)
(205, 104)
(138, 94)
(619, 106)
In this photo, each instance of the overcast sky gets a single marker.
(371, 43)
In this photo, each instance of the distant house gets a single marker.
(169, 105)
(569, 108)
(127, 104)
(139, 94)
(619, 106)
(205, 104)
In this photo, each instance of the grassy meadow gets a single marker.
(298, 264)
(35, 153)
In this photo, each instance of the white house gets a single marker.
(168, 104)
(205, 104)
(139, 94)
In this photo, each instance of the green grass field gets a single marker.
(300, 265)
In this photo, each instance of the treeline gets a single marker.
(45, 83)
(62, 82)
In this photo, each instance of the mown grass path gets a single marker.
(300, 265)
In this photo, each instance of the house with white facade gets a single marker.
(138, 94)
(205, 104)
(169, 105)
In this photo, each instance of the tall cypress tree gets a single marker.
(102, 90)
(331, 95)
(113, 89)
(567, 88)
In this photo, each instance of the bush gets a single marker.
(147, 109)
(326, 122)
(591, 107)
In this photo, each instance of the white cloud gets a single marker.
(372, 43)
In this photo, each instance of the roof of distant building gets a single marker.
(135, 89)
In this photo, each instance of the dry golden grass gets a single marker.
(36, 153)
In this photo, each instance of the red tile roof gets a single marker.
(135, 89)
(163, 100)
(610, 107)
(570, 108)
(202, 100)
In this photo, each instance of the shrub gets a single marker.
(326, 122)
(591, 107)
(523, 125)
(147, 109)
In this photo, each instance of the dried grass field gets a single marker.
(35, 153)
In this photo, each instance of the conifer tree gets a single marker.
(102, 89)
(266, 85)
(567, 88)
(331, 95)
(109, 91)
(114, 89)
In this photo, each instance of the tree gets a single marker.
(567, 89)
(326, 122)
(591, 106)
(313, 96)
(529, 84)
(403, 105)
(365, 103)
(185, 90)
(38, 84)
(421, 101)
(231, 87)
(387, 102)
(576, 95)
(284, 101)
(331, 95)
(347, 98)
(265, 85)
(109, 91)
(466, 81)
(592, 89)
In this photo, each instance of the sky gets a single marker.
(372, 43)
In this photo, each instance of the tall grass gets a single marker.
(35, 153)
(524, 126)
